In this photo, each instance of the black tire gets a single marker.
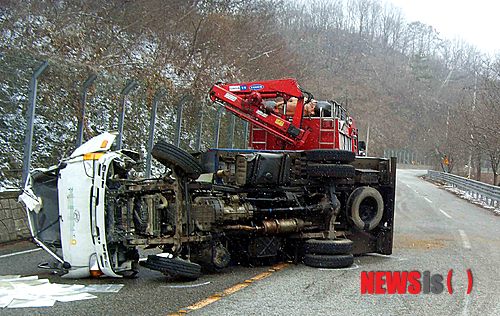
(356, 206)
(175, 267)
(328, 246)
(328, 261)
(330, 155)
(178, 159)
(330, 170)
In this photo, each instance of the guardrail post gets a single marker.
(152, 123)
(30, 116)
(81, 118)
(128, 88)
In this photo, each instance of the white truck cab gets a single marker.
(67, 215)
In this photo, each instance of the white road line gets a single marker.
(385, 256)
(185, 286)
(353, 267)
(19, 253)
(465, 310)
(427, 200)
(465, 239)
(497, 309)
(445, 214)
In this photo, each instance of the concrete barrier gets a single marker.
(13, 220)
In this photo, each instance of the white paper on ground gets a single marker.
(75, 297)
(6, 286)
(40, 302)
(18, 292)
(32, 282)
(57, 289)
(20, 279)
(103, 288)
(5, 300)
(9, 276)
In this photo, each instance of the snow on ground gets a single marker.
(472, 198)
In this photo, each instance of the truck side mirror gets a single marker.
(361, 148)
(362, 145)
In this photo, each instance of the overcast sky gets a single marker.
(475, 21)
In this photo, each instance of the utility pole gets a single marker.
(474, 99)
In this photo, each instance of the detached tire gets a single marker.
(177, 159)
(330, 170)
(330, 155)
(328, 261)
(328, 246)
(175, 267)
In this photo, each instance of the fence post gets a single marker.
(178, 123)
(245, 134)
(217, 126)
(200, 130)
(152, 123)
(232, 124)
(81, 118)
(30, 116)
(131, 84)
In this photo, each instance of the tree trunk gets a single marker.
(478, 168)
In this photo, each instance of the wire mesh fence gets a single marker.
(67, 107)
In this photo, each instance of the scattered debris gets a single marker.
(103, 288)
(17, 291)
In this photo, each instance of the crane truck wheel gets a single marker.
(328, 246)
(367, 208)
(174, 267)
(330, 155)
(176, 158)
(330, 170)
(328, 261)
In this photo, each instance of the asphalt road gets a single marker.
(435, 231)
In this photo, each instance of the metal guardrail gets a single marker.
(479, 190)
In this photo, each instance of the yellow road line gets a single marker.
(230, 290)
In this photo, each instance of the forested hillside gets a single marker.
(401, 80)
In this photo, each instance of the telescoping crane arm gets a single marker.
(245, 100)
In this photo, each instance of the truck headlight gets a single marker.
(95, 272)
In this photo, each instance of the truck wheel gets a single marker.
(335, 155)
(328, 246)
(328, 261)
(175, 267)
(330, 170)
(177, 158)
(367, 207)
